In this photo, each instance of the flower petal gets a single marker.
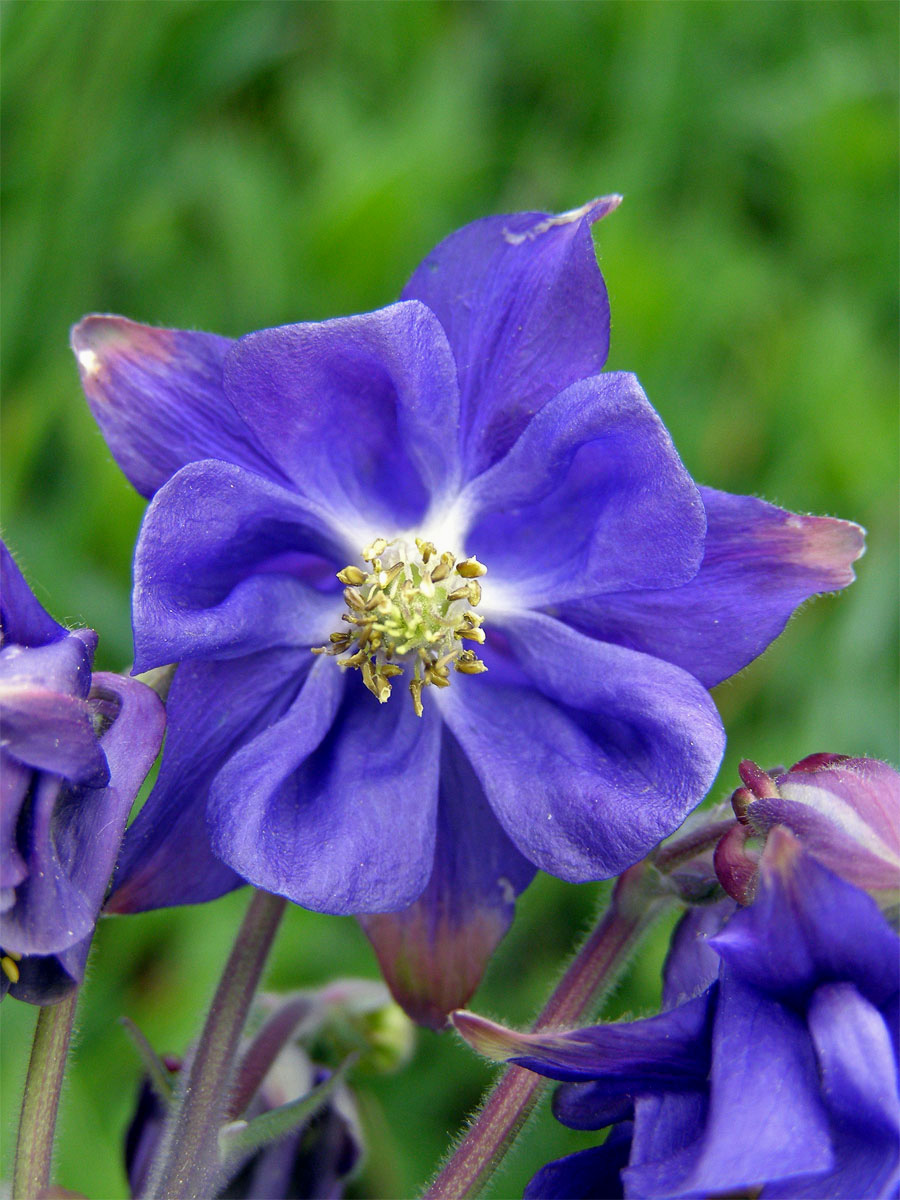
(592, 1105)
(23, 622)
(589, 754)
(75, 832)
(222, 569)
(46, 979)
(525, 309)
(665, 1142)
(49, 913)
(588, 1174)
(857, 1061)
(158, 398)
(763, 1077)
(807, 927)
(62, 666)
(434, 953)
(591, 498)
(360, 412)
(52, 732)
(213, 708)
(311, 808)
(691, 963)
(669, 1052)
(859, 1078)
(761, 562)
(15, 780)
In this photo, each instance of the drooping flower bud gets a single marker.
(845, 812)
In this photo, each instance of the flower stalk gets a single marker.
(634, 906)
(189, 1159)
(40, 1103)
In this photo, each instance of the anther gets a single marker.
(375, 549)
(9, 967)
(352, 575)
(470, 568)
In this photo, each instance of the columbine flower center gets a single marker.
(411, 610)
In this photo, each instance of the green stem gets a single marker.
(593, 970)
(40, 1104)
(189, 1160)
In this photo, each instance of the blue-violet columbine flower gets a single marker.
(74, 751)
(771, 1072)
(446, 603)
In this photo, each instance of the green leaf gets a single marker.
(158, 1072)
(243, 1138)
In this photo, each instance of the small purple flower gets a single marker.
(446, 603)
(845, 811)
(772, 1069)
(74, 750)
(309, 1163)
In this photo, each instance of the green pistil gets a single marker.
(409, 611)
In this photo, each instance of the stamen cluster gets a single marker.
(409, 610)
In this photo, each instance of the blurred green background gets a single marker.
(228, 166)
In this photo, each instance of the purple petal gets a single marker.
(49, 913)
(311, 808)
(761, 562)
(434, 953)
(62, 666)
(665, 1143)
(15, 780)
(589, 754)
(691, 963)
(592, 498)
(52, 732)
(360, 412)
(592, 1105)
(764, 1079)
(858, 1067)
(46, 979)
(525, 309)
(846, 813)
(588, 1175)
(74, 833)
(857, 1061)
(215, 571)
(23, 622)
(158, 397)
(808, 927)
(669, 1052)
(213, 709)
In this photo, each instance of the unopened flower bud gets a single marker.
(844, 811)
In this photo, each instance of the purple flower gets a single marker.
(773, 1066)
(311, 1162)
(74, 750)
(417, 734)
(845, 811)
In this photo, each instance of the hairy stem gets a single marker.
(189, 1158)
(40, 1104)
(593, 970)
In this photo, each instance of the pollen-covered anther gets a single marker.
(9, 965)
(411, 610)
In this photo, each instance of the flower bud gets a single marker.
(845, 812)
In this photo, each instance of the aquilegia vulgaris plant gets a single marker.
(434, 603)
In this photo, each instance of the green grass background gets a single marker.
(229, 166)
